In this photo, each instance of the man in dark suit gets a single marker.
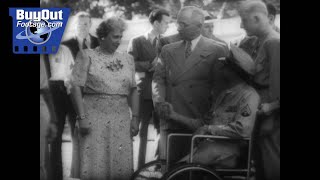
(184, 76)
(144, 50)
(61, 98)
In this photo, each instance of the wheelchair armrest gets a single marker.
(212, 137)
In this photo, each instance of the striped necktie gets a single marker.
(188, 49)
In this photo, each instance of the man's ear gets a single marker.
(271, 18)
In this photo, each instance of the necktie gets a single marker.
(84, 44)
(188, 49)
(155, 42)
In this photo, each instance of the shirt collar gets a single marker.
(194, 42)
(147, 35)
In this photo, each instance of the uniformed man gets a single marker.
(233, 115)
(266, 79)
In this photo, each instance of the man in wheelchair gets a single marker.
(232, 115)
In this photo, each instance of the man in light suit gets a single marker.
(185, 76)
(176, 37)
(144, 51)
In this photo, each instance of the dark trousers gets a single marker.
(63, 109)
(269, 146)
(44, 122)
(146, 111)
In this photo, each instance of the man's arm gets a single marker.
(273, 54)
(140, 66)
(244, 119)
(159, 79)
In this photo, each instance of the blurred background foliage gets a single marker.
(129, 9)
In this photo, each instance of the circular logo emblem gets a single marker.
(40, 33)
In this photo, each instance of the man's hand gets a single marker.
(153, 64)
(162, 109)
(51, 132)
(266, 108)
(134, 126)
(171, 113)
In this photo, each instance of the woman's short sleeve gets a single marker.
(80, 69)
(133, 71)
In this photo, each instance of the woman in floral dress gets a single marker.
(103, 84)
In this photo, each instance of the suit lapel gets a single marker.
(178, 58)
(195, 57)
(148, 47)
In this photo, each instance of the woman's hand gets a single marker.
(51, 132)
(134, 126)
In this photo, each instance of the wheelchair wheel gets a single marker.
(150, 171)
(191, 172)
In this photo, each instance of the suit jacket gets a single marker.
(187, 83)
(73, 45)
(143, 53)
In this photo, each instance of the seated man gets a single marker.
(233, 115)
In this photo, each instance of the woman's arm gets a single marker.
(76, 98)
(135, 107)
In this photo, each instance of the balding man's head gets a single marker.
(190, 21)
(253, 6)
(196, 3)
(193, 14)
(254, 16)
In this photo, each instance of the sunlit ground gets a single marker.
(226, 29)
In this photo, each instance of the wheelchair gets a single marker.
(161, 170)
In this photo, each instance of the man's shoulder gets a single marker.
(170, 47)
(272, 42)
(249, 91)
(70, 42)
(138, 38)
(213, 45)
(170, 39)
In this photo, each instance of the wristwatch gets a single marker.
(81, 117)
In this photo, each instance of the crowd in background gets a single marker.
(190, 82)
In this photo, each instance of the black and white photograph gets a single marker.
(162, 89)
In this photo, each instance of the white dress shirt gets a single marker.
(194, 42)
(61, 64)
